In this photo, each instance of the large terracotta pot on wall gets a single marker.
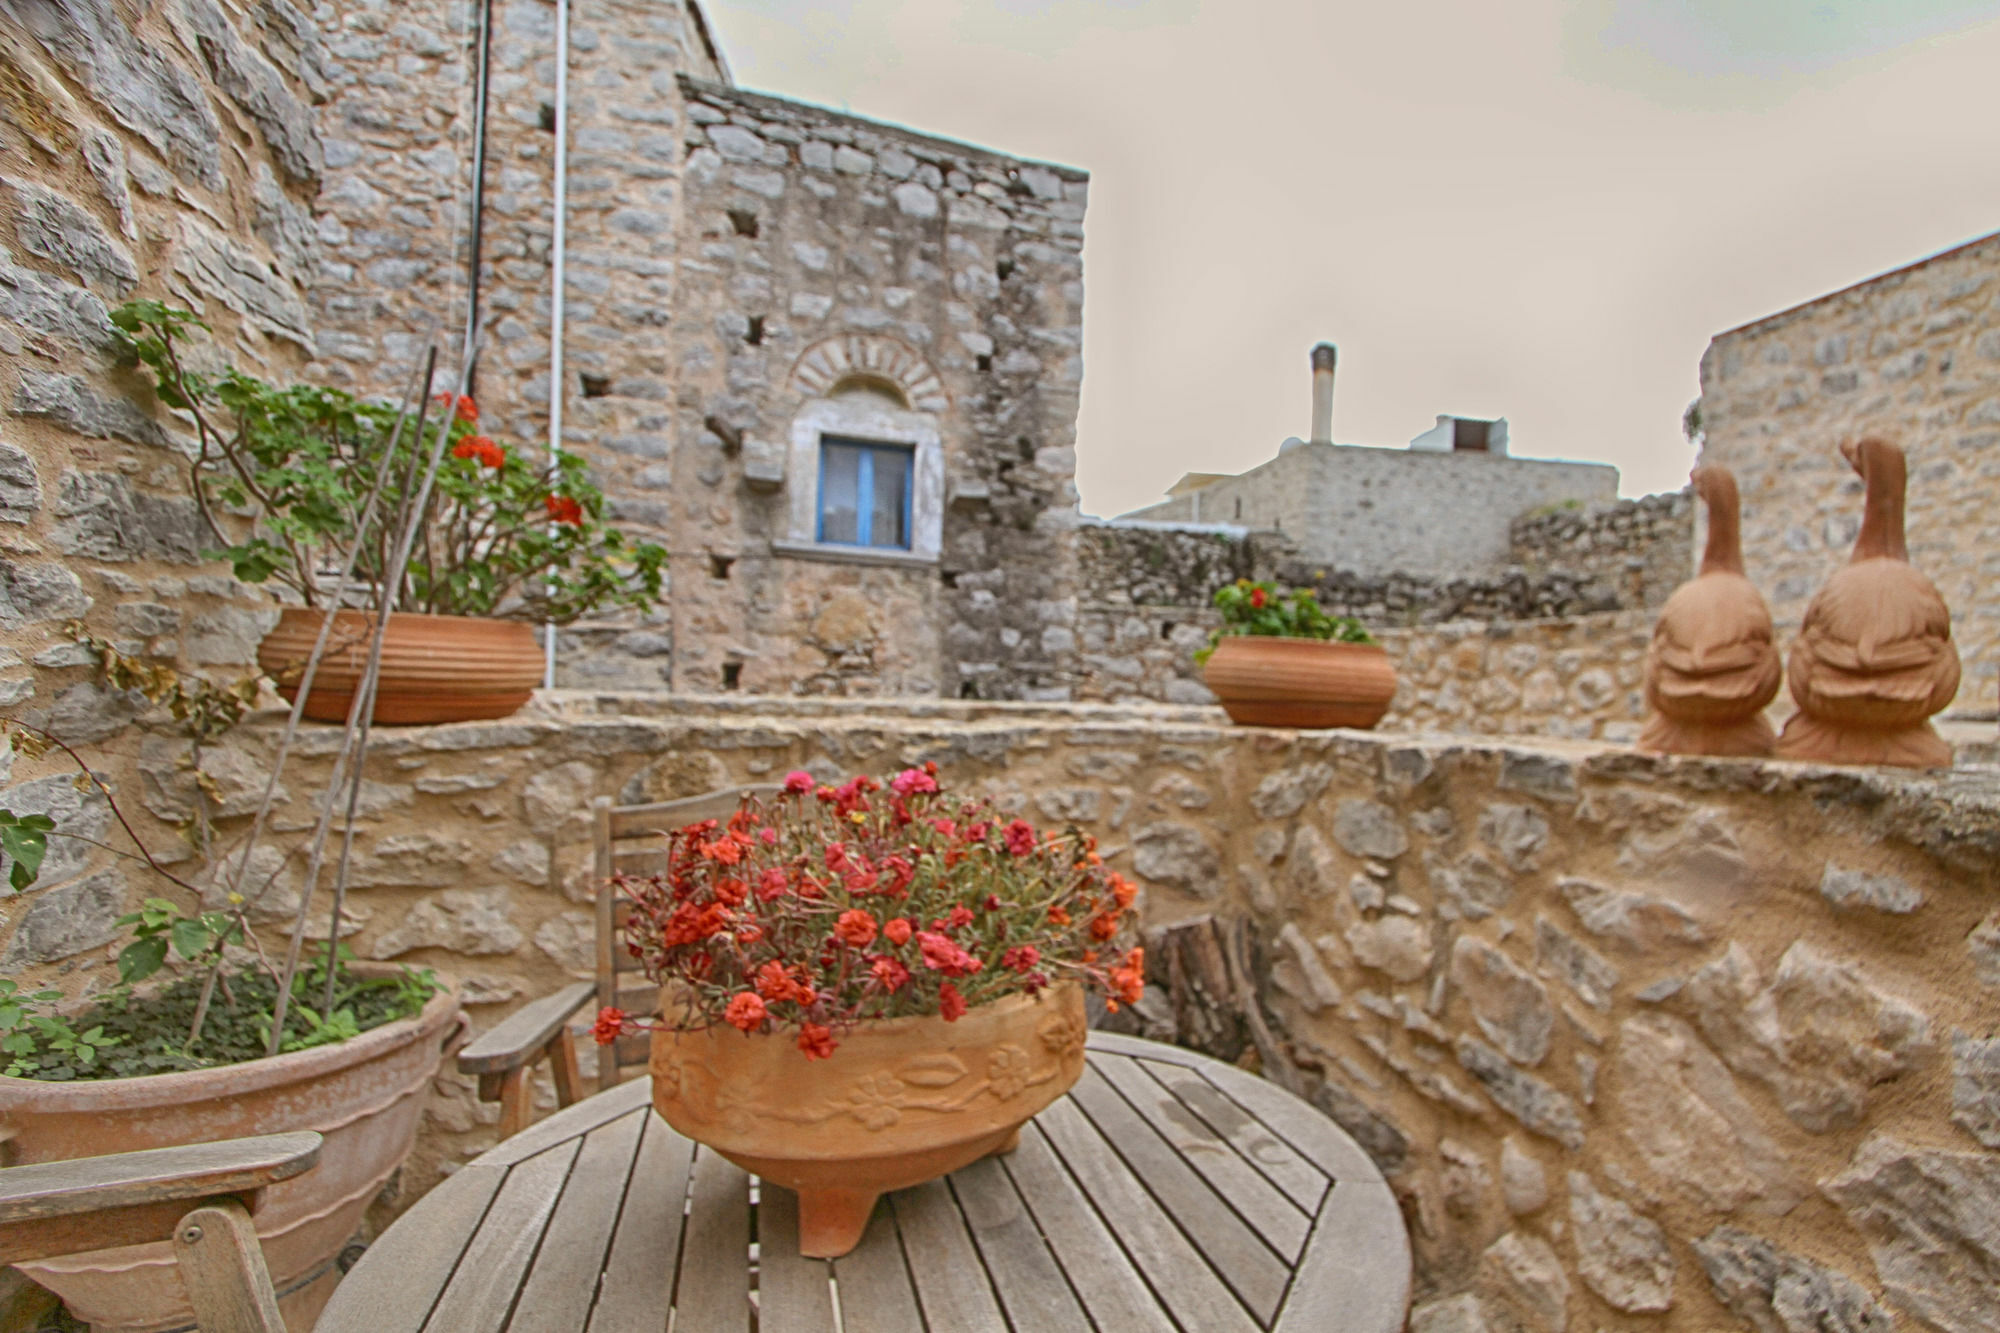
(434, 668)
(900, 1101)
(366, 1095)
(1267, 681)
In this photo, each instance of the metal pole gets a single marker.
(556, 290)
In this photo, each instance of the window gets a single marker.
(864, 493)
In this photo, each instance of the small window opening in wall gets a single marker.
(967, 690)
(744, 221)
(755, 335)
(718, 565)
(1027, 448)
(865, 493)
(596, 386)
(983, 362)
(732, 675)
(1166, 629)
(1005, 268)
(948, 577)
(546, 117)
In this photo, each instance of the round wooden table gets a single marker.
(1165, 1191)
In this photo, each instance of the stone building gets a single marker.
(1913, 355)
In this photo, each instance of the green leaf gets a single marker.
(25, 839)
(140, 960)
(190, 936)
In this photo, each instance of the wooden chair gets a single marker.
(626, 839)
(200, 1196)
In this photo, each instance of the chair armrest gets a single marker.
(518, 1040)
(157, 1175)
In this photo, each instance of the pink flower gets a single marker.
(913, 781)
(942, 955)
(1020, 837)
(798, 782)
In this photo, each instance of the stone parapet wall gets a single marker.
(1575, 678)
(1913, 355)
(1643, 549)
(1640, 1042)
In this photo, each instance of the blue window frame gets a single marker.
(864, 493)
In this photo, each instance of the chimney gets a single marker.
(1323, 357)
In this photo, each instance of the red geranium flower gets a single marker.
(855, 927)
(610, 1025)
(466, 411)
(897, 931)
(1021, 958)
(1257, 598)
(951, 1005)
(565, 509)
(1020, 836)
(816, 1041)
(746, 1011)
(892, 974)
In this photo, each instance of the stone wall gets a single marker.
(1641, 1043)
(1913, 355)
(1643, 548)
(1378, 512)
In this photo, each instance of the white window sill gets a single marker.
(852, 555)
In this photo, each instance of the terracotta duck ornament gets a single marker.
(1713, 665)
(1874, 659)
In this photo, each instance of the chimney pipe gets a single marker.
(1323, 357)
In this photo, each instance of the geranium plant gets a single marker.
(1249, 607)
(283, 476)
(829, 906)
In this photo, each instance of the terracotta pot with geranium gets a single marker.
(866, 987)
(1279, 660)
(298, 482)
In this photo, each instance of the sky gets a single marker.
(1537, 209)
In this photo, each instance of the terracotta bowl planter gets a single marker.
(434, 668)
(366, 1096)
(900, 1101)
(1266, 681)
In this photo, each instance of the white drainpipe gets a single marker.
(556, 287)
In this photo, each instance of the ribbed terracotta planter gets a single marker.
(434, 668)
(365, 1095)
(1266, 681)
(900, 1101)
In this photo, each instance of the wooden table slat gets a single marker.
(1295, 1122)
(1033, 1292)
(588, 1115)
(1359, 1231)
(874, 1282)
(1177, 1272)
(638, 1286)
(793, 1292)
(952, 1285)
(1101, 1272)
(482, 1291)
(1237, 1253)
(1256, 1200)
(425, 1256)
(714, 1291)
(1283, 1165)
(1117, 1043)
(563, 1280)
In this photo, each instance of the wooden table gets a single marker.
(1165, 1191)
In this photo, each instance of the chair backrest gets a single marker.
(631, 840)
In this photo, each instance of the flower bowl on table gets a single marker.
(865, 987)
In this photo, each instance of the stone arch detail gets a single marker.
(827, 362)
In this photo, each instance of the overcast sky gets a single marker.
(1537, 209)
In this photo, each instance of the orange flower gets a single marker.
(951, 1005)
(1123, 890)
(610, 1025)
(746, 1011)
(564, 509)
(1128, 982)
(1058, 917)
(897, 932)
(855, 927)
(816, 1041)
(1104, 927)
(466, 410)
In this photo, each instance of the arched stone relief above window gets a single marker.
(864, 467)
(856, 359)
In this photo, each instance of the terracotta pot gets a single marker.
(1266, 681)
(900, 1101)
(365, 1095)
(434, 668)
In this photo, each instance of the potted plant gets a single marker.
(287, 479)
(863, 988)
(1279, 660)
(175, 1052)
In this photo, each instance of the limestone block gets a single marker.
(1621, 1256)
(1682, 1111)
(1524, 1184)
(1558, 954)
(20, 486)
(1538, 1106)
(1517, 832)
(555, 795)
(1471, 887)
(1983, 943)
(1698, 863)
(1510, 1006)
(1070, 805)
(1178, 856)
(1932, 1221)
(1284, 793)
(1453, 1314)
(221, 267)
(1780, 1292)
(1385, 1145)
(234, 781)
(60, 231)
(1639, 919)
(1856, 888)
(65, 920)
(51, 306)
(526, 861)
(86, 712)
(1975, 1087)
(270, 883)
(1820, 1034)
(70, 403)
(570, 941)
(1184, 792)
(1522, 1271)
(1369, 828)
(251, 82)
(420, 860)
(467, 921)
(78, 814)
(1315, 989)
(1397, 945)
(106, 519)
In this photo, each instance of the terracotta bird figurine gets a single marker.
(1713, 666)
(1874, 658)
